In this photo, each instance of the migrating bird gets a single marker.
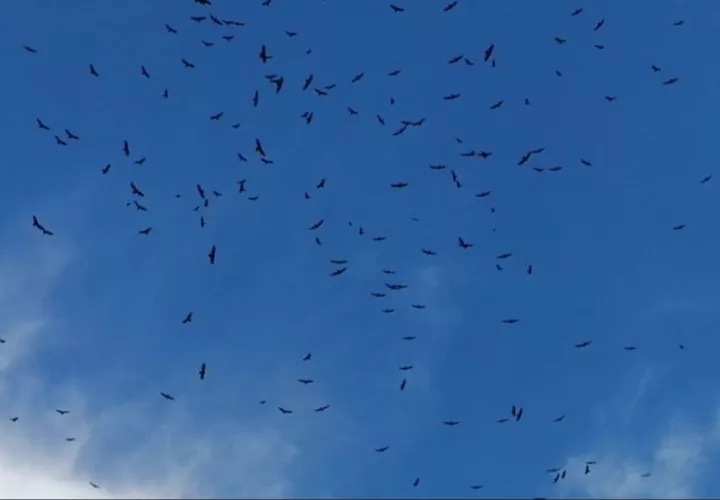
(40, 227)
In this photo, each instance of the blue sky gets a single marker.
(92, 315)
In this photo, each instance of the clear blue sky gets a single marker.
(93, 313)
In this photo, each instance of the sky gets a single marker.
(92, 315)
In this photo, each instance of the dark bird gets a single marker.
(399, 185)
(706, 179)
(655, 69)
(284, 411)
(451, 423)
(586, 162)
(463, 244)
(145, 231)
(497, 105)
(395, 72)
(305, 381)
(489, 52)
(610, 98)
(256, 98)
(504, 256)
(187, 63)
(211, 255)
(476, 486)
(679, 227)
(583, 344)
(321, 409)
(217, 116)
(263, 55)
(259, 147)
(69, 439)
(60, 142)
(167, 396)
(170, 29)
(307, 357)
(510, 321)
(188, 318)
(416, 482)
(357, 78)
(14, 419)
(560, 41)
(40, 227)
(126, 148)
(395, 8)
(144, 72)
(338, 272)
(451, 97)
(382, 449)
(678, 23)
(599, 24)
(403, 384)
(560, 418)
(94, 485)
(455, 59)
(576, 12)
(71, 136)
(63, 412)
(406, 368)
(202, 371)
(317, 225)
(670, 81)
(136, 191)
(41, 125)
(92, 71)
(30, 49)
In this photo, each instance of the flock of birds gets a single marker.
(393, 287)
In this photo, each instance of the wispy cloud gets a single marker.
(121, 447)
(676, 459)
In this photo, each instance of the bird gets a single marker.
(167, 396)
(202, 371)
(40, 227)
(62, 412)
(211, 255)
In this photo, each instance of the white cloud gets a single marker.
(121, 447)
(675, 461)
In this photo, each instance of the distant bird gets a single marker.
(416, 482)
(211, 255)
(63, 412)
(284, 411)
(167, 396)
(40, 227)
(202, 371)
(382, 449)
(93, 72)
(94, 485)
(583, 344)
